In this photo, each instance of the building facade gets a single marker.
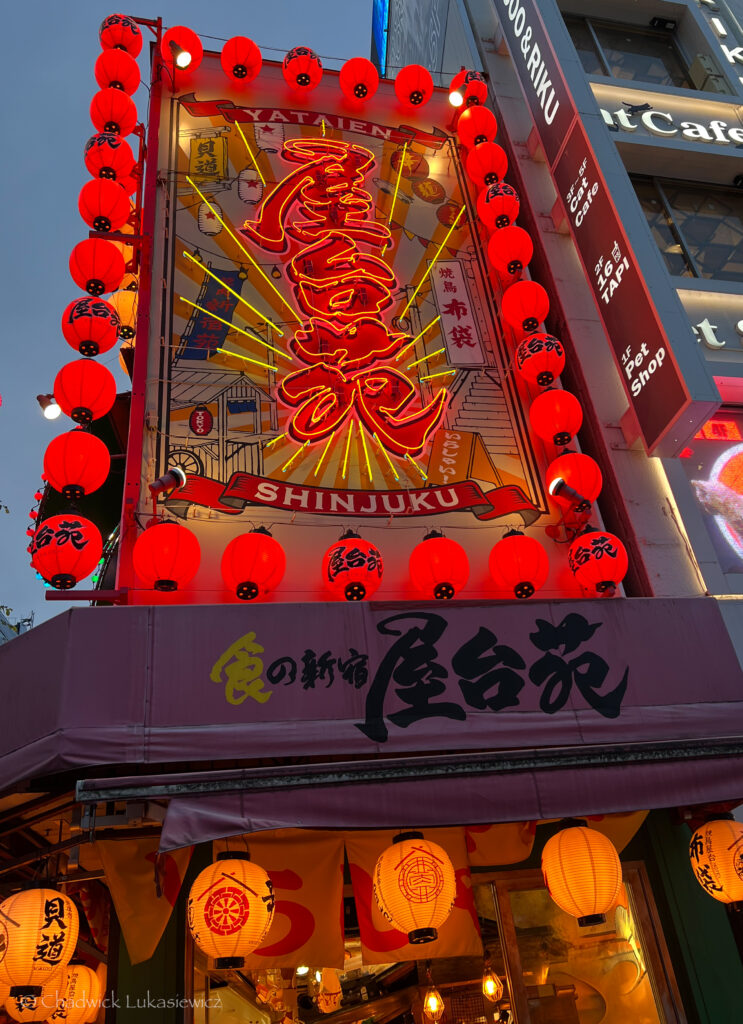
(333, 410)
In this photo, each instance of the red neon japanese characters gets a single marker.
(348, 351)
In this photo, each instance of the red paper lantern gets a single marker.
(413, 85)
(598, 560)
(510, 250)
(475, 125)
(556, 416)
(115, 69)
(486, 164)
(525, 305)
(97, 266)
(470, 86)
(103, 205)
(241, 59)
(439, 567)
(253, 564)
(498, 205)
(358, 79)
(66, 549)
(181, 49)
(130, 182)
(201, 421)
(90, 326)
(540, 358)
(120, 32)
(76, 464)
(352, 568)
(574, 480)
(519, 564)
(109, 156)
(84, 390)
(302, 68)
(111, 110)
(166, 556)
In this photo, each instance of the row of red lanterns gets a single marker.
(573, 479)
(67, 548)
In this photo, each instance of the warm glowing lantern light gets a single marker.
(80, 996)
(582, 872)
(76, 464)
(90, 326)
(302, 68)
(29, 1009)
(181, 49)
(115, 69)
(111, 110)
(352, 567)
(574, 480)
(486, 164)
(468, 87)
(103, 205)
(519, 564)
(33, 959)
(556, 416)
(439, 567)
(65, 549)
(85, 390)
(358, 79)
(716, 854)
(433, 1004)
(415, 886)
(540, 358)
(230, 909)
(241, 59)
(598, 560)
(413, 85)
(492, 986)
(510, 250)
(125, 303)
(253, 564)
(498, 205)
(166, 556)
(475, 125)
(525, 305)
(97, 266)
(109, 156)
(119, 31)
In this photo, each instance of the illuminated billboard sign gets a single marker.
(331, 353)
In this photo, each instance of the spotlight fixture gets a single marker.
(181, 58)
(456, 98)
(173, 480)
(558, 486)
(49, 406)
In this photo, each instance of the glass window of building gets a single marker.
(628, 52)
(698, 229)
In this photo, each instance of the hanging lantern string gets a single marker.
(248, 334)
(242, 249)
(250, 152)
(233, 292)
(432, 263)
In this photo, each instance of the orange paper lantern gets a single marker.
(583, 874)
(415, 886)
(230, 909)
(39, 928)
(80, 997)
(716, 854)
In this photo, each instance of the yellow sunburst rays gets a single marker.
(384, 452)
(325, 452)
(444, 373)
(432, 263)
(247, 359)
(348, 446)
(296, 455)
(418, 336)
(424, 359)
(242, 249)
(248, 334)
(414, 463)
(232, 291)
(366, 455)
(273, 440)
(250, 153)
(397, 183)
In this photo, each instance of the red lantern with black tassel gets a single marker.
(519, 564)
(253, 564)
(439, 567)
(598, 560)
(352, 568)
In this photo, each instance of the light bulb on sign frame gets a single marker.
(181, 57)
(456, 98)
(49, 406)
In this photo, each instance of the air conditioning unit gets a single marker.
(706, 76)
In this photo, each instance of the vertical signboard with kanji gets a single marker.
(331, 355)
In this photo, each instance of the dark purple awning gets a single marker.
(647, 682)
